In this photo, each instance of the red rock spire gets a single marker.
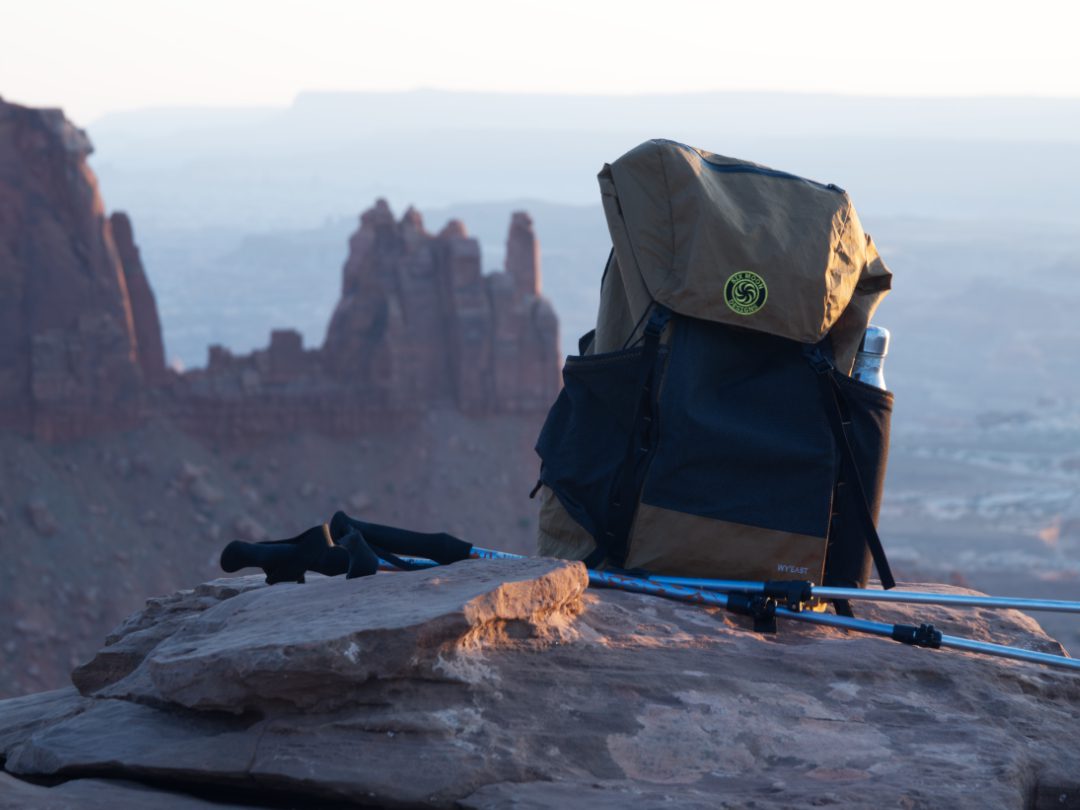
(419, 323)
(523, 255)
(144, 312)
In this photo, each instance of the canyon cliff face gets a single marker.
(68, 352)
(69, 349)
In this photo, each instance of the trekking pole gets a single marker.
(927, 636)
(796, 591)
(782, 589)
(763, 607)
(922, 636)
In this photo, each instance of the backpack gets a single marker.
(709, 425)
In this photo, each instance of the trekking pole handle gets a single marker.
(238, 555)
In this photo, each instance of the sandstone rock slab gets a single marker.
(309, 645)
(21, 717)
(96, 794)
(127, 646)
(499, 684)
(139, 741)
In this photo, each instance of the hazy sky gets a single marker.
(97, 56)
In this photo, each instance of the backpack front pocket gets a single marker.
(584, 441)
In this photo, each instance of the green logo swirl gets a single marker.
(745, 292)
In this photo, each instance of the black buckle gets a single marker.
(791, 593)
(762, 609)
(925, 635)
(817, 359)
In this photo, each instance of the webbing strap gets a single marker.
(843, 608)
(831, 394)
(614, 533)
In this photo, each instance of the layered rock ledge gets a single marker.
(507, 684)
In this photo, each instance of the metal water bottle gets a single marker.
(870, 361)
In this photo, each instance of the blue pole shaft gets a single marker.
(872, 595)
(952, 642)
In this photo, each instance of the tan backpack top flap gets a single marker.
(730, 241)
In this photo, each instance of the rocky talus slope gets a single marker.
(492, 684)
(93, 528)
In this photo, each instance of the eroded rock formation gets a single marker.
(492, 684)
(69, 351)
(418, 322)
(419, 325)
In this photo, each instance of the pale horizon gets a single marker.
(316, 91)
(122, 55)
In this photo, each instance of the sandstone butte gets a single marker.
(507, 684)
(418, 323)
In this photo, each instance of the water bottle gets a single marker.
(870, 361)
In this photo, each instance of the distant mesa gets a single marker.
(418, 324)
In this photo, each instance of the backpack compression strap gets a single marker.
(611, 544)
(831, 394)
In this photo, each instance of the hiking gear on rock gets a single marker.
(345, 545)
(708, 425)
(764, 609)
(288, 560)
(764, 602)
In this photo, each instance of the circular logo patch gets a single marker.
(745, 292)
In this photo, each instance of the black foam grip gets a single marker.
(238, 555)
(363, 562)
(441, 547)
(287, 560)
